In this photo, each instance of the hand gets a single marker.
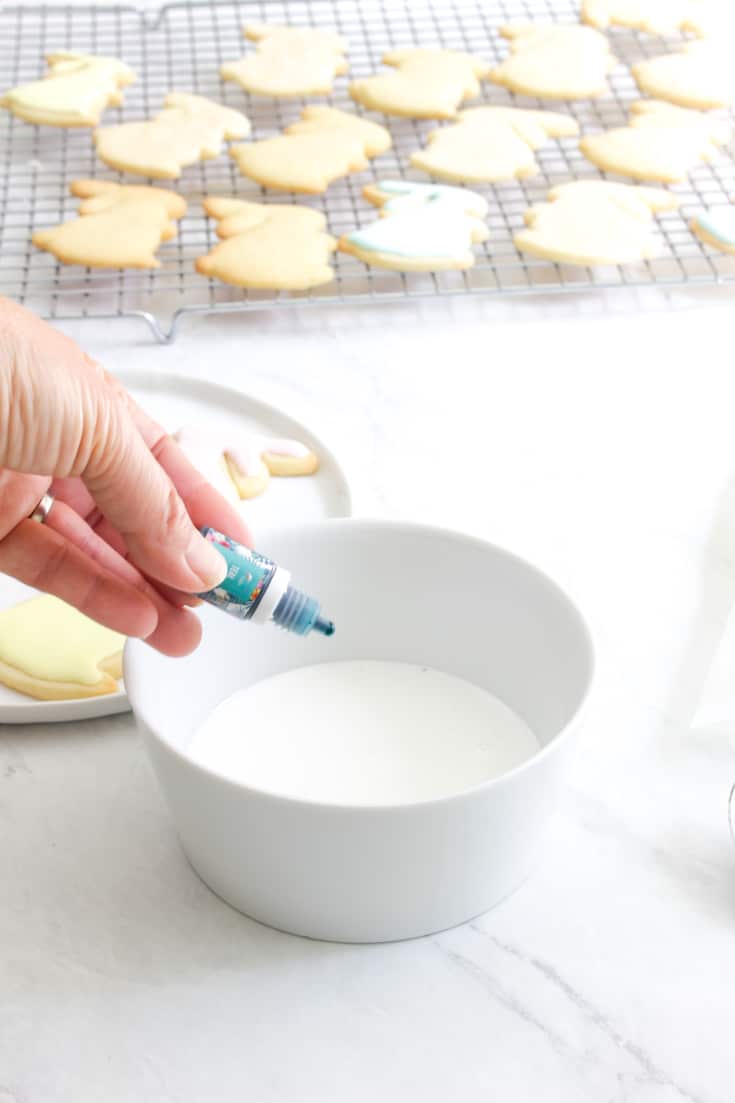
(121, 542)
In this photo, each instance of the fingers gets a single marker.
(177, 632)
(206, 505)
(138, 498)
(40, 557)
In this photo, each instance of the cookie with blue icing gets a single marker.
(422, 227)
(716, 227)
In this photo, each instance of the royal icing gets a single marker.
(719, 223)
(206, 448)
(49, 640)
(422, 221)
(75, 90)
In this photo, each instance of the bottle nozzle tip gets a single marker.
(326, 627)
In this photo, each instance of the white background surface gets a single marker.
(596, 438)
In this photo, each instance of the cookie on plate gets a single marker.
(593, 222)
(426, 84)
(289, 61)
(324, 145)
(268, 246)
(189, 129)
(700, 75)
(559, 61)
(716, 227)
(422, 228)
(52, 652)
(489, 144)
(119, 226)
(74, 92)
(245, 463)
(661, 142)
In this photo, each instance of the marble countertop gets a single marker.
(593, 436)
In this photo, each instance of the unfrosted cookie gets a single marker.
(52, 652)
(119, 226)
(268, 246)
(323, 146)
(491, 144)
(716, 227)
(653, 16)
(423, 227)
(289, 61)
(561, 62)
(426, 84)
(240, 466)
(189, 129)
(594, 222)
(74, 92)
(700, 75)
(710, 18)
(662, 142)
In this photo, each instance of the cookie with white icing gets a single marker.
(593, 222)
(324, 145)
(716, 227)
(288, 61)
(662, 142)
(267, 245)
(489, 144)
(119, 226)
(74, 92)
(189, 129)
(241, 466)
(700, 75)
(559, 61)
(425, 84)
(422, 227)
(52, 652)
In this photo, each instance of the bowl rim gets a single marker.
(136, 646)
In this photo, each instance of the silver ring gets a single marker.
(43, 509)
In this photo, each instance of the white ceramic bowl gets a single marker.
(399, 592)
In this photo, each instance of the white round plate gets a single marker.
(176, 400)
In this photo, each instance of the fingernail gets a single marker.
(206, 563)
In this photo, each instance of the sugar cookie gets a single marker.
(423, 227)
(701, 75)
(662, 142)
(268, 246)
(426, 84)
(189, 129)
(710, 18)
(52, 652)
(289, 61)
(561, 62)
(490, 144)
(594, 222)
(245, 463)
(74, 92)
(119, 226)
(322, 146)
(653, 16)
(716, 227)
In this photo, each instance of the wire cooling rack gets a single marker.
(182, 48)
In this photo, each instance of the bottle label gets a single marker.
(248, 575)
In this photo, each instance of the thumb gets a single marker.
(137, 496)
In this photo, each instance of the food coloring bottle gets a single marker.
(255, 588)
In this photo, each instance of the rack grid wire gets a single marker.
(182, 47)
